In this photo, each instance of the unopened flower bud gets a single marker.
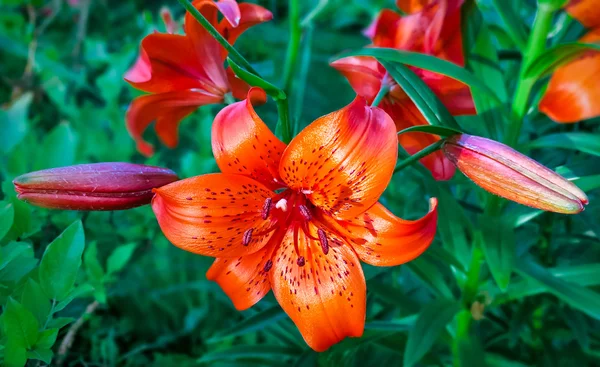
(97, 186)
(505, 172)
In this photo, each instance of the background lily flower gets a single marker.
(572, 94)
(505, 172)
(304, 240)
(183, 72)
(433, 28)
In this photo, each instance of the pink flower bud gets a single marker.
(505, 172)
(97, 186)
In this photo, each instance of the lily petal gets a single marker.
(239, 88)
(412, 6)
(382, 30)
(244, 278)
(250, 15)
(168, 109)
(243, 144)
(364, 74)
(215, 215)
(326, 295)
(585, 11)
(573, 92)
(343, 161)
(382, 239)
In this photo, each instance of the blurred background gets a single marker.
(63, 102)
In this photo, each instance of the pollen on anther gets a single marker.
(305, 212)
(247, 237)
(266, 209)
(323, 240)
(301, 261)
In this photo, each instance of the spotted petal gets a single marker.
(325, 295)
(217, 215)
(243, 144)
(343, 161)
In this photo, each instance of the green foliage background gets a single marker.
(113, 286)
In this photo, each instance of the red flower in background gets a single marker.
(304, 240)
(183, 72)
(573, 92)
(432, 27)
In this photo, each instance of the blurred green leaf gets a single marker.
(61, 262)
(552, 58)
(499, 248)
(119, 258)
(15, 355)
(58, 148)
(34, 299)
(7, 215)
(256, 352)
(84, 290)
(14, 123)
(47, 339)
(432, 320)
(20, 326)
(578, 297)
(584, 142)
(44, 355)
(514, 25)
(60, 322)
(253, 323)
(431, 129)
(427, 271)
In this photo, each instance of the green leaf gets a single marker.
(584, 142)
(22, 224)
(15, 355)
(556, 56)
(44, 355)
(578, 297)
(92, 264)
(83, 290)
(20, 326)
(11, 251)
(256, 81)
(499, 248)
(14, 122)
(432, 320)
(35, 300)
(512, 20)
(427, 62)
(430, 106)
(256, 352)
(119, 258)
(253, 323)
(47, 339)
(58, 148)
(61, 262)
(60, 322)
(7, 215)
(427, 271)
(431, 129)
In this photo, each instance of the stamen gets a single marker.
(305, 212)
(247, 237)
(266, 209)
(306, 192)
(268, 266)
(282, 205)
(323, 240)
(301, 261)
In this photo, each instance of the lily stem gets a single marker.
(283, 111)
(233, 53)
(535, 46)
(382, 92)
(293, 46)
(420, 154)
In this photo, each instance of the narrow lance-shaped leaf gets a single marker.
(556, 56)
(498, 245)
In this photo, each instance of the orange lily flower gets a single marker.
(433, 28)
(184, 72)
(572, 94)
(296, 219)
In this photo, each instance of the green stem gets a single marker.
(535, 46)
(313, 14)
(420, 154)
(293, 46)
(301, 85)
(233, 53)
(284, 119)
(382, 92)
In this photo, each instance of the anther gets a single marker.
(301, 261)
(268, 266)
(266, 209)
(323, 240)
(247, 237)
(305, 212)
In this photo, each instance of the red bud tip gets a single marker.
(97, 186)
(505, 172)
